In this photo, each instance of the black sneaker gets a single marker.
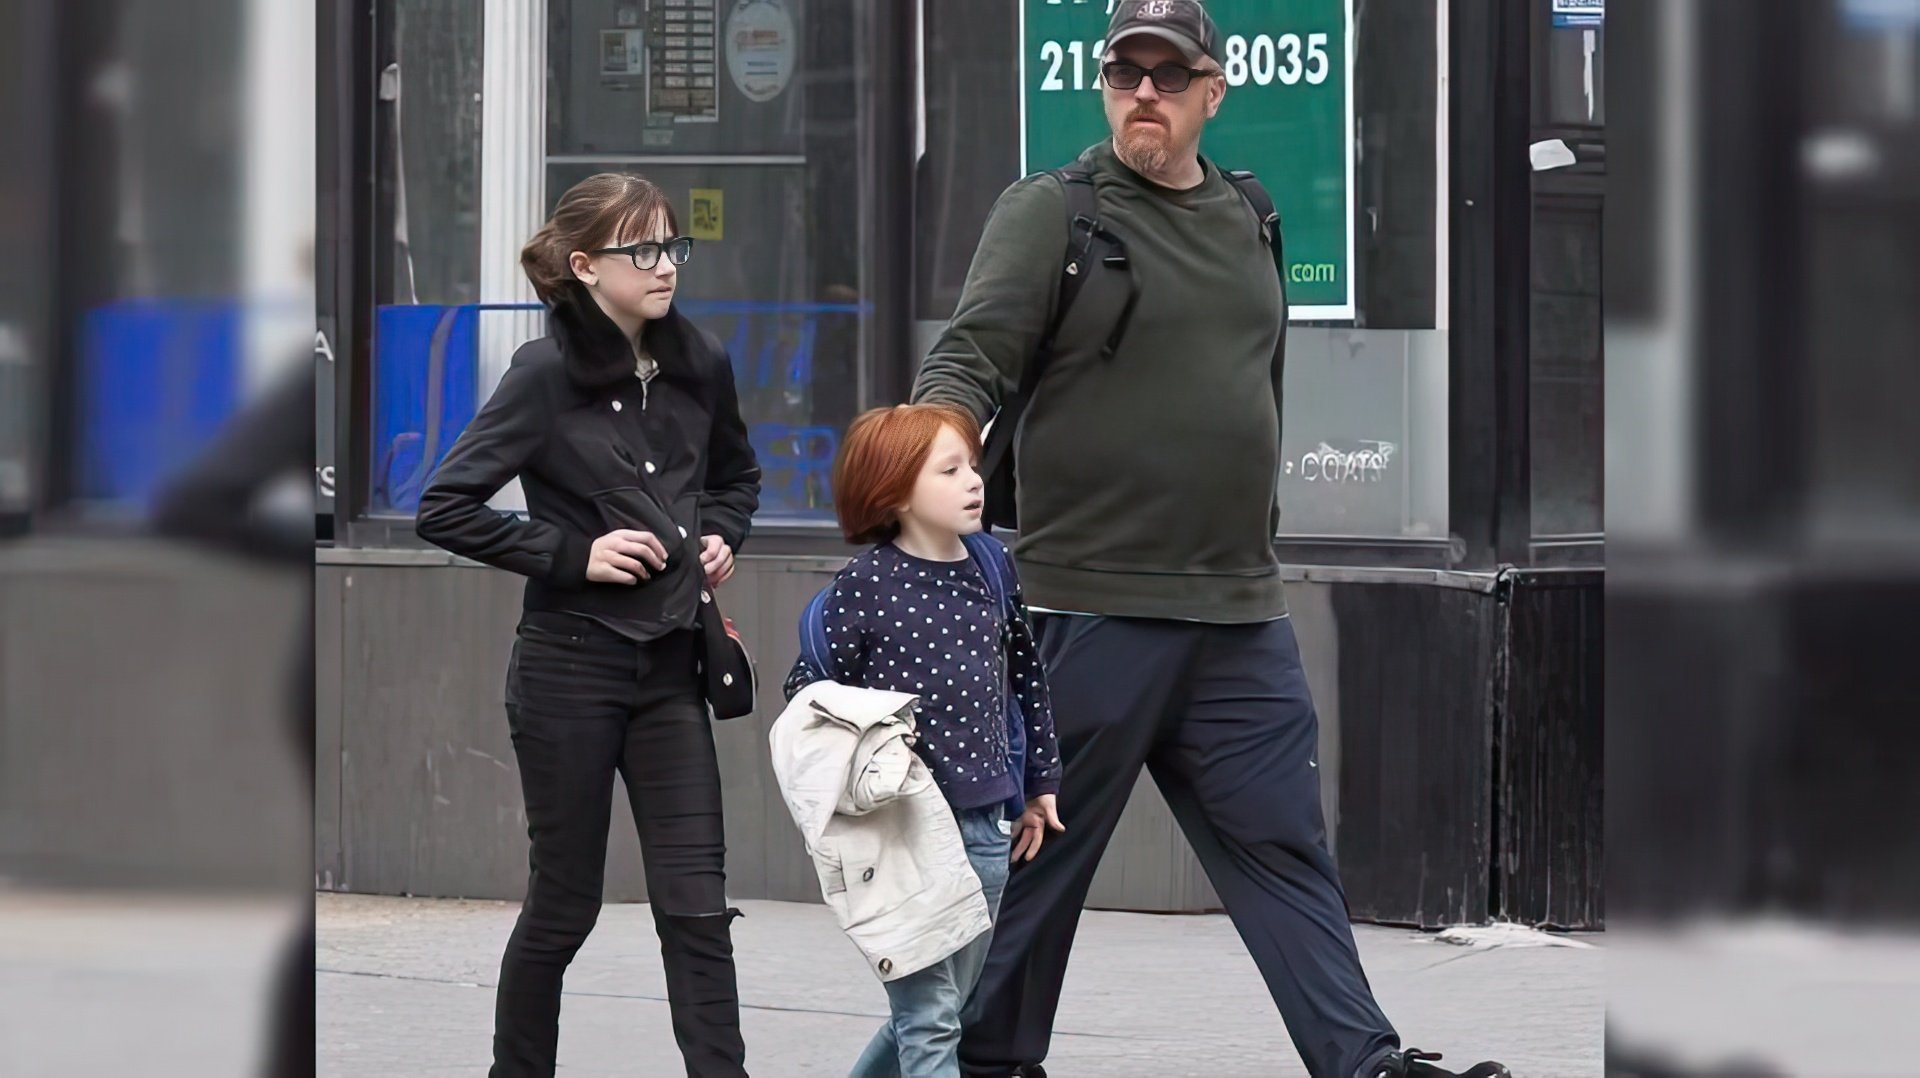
(1413, 1063)
(1032, 1070)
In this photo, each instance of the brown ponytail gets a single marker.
(599, 211)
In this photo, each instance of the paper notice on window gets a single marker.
(622, 54)
(682, 32)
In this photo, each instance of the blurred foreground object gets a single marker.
(156, 218)
(1763, 499)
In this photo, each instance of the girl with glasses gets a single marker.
(623, 426)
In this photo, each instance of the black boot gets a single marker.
(703, 993)
(1413, 1063)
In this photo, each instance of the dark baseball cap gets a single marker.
(1185, 23)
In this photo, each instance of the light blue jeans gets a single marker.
(922, 1038)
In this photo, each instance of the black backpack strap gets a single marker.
(1268, 220)
(1083, 218)
(1091, 250)
(1261, 204)
(1090, 247)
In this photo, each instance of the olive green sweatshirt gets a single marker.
(1147, 480)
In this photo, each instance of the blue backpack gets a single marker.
(986, 553)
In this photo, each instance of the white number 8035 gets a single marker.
(1264, 59)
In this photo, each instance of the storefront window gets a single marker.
(1567, 419)
(434, 92)
(745, 111)
(428, 369)
(1568, 439)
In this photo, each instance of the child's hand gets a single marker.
(1031, 827)
(716, 558)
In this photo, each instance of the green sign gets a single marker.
(1288, 116)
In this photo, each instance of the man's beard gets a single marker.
(1145, 150)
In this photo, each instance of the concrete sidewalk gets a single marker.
(406, 988)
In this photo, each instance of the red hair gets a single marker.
(880, 460)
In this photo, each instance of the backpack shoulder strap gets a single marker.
(813, 632)
(989, 555)
(1259, 202)
(1076, 268)
(1077, 180)
(1090, 247)
(1092, 251)
(1268, 219)
(1083, 227)
(1076, 183)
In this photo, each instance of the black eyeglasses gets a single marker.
(1167, 78)
(647, 255)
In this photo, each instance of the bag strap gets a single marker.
(1081, 265)
(1265, 216)
(990, 555)
(985, 551)
(1078, 266)
(1083, 227)
(814, 648)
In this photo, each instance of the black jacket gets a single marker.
(595, 450)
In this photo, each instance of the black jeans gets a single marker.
(1221, 717)
(584, 703)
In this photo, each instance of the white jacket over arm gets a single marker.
(892, 865)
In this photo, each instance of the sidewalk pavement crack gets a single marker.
(1471, 952)
(662, 999)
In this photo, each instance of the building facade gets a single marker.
(1440, 173)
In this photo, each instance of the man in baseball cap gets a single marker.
(1147, 509)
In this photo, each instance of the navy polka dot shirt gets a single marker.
(931, 628)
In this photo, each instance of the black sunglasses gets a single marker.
(1167, 78)
(647, 255)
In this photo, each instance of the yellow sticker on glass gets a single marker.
(707, 214)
